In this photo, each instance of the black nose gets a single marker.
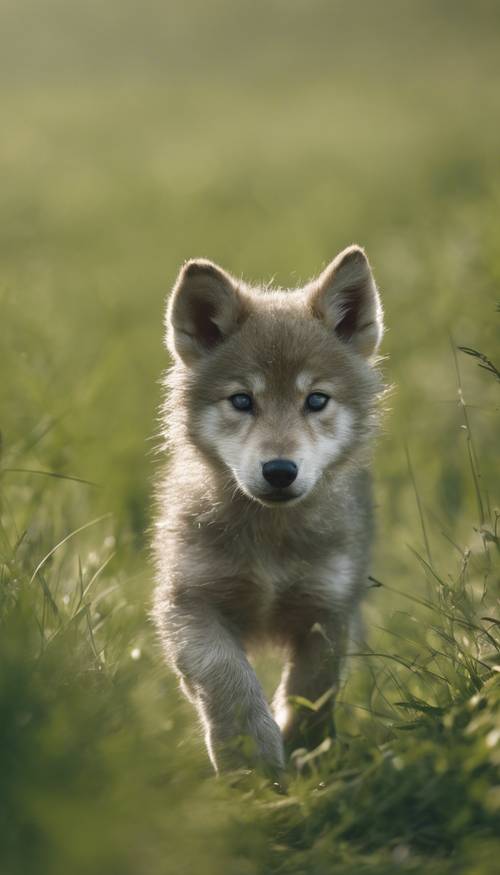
(279, 472)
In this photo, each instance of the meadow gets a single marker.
(266, 136)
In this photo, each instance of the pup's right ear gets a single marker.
(204, 308)
(345, 297)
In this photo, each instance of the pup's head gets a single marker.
(279, 387)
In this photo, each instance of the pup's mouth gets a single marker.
(279, 497)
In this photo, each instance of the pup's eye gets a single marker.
(242, 402)
(316, 401)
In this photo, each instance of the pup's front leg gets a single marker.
(216, 675)
(312, 672)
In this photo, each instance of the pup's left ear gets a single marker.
(204, 309)
(346, 298)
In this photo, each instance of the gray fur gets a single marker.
(233, 568)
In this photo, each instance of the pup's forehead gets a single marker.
(283, 352)
(292, 381)
(280, 352)
(288, 343)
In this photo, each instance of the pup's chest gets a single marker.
(274, 573)
(275, 576)
(286, 588)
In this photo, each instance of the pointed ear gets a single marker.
(346, 298)
(204, 309)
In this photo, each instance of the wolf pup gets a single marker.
(265, 512)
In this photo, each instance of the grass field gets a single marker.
(266, 136)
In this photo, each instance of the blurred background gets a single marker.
(265, 136)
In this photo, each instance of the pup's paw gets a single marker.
(257, 747)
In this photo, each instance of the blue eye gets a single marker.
(242, 402)
(316, 401)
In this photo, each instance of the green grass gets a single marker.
(266, 136)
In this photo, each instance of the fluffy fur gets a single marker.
(237, 563)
